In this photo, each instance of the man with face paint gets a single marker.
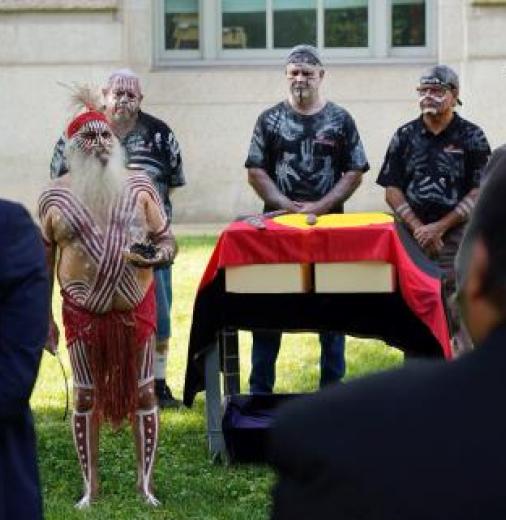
(424, 442)
(305, 156)
(432, 173)
(90, 218)
(150, 145)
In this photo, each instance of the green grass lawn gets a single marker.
(187, 483)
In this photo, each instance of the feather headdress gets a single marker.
(84, 97)
(88, 98)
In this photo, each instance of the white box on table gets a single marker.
(354, 277)
(268, 278)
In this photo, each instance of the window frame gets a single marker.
(210, 53)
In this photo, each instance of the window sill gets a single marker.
(488, 3)
(11, 6)
(163, 64)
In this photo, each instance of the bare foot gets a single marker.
(90, 496)
(84, 502)
(148, 496)
(151, 500)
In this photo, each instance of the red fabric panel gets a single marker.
(242, 244)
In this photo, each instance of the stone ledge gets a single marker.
(484, 3)
(58, 5)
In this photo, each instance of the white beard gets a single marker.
(435, 108)
(429, 111)
(95, 185)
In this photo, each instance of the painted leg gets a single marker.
(85, 431)
(146, 441)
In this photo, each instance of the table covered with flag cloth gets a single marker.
(411, 318)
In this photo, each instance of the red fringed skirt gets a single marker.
(113, 341)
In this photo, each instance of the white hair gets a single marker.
(96, 185)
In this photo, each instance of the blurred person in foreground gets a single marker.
(422, 442)
(150, 145)
(110, 230)
(23, 331)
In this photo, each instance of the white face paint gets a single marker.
(93, 138)
(434, 99)
(123, 100)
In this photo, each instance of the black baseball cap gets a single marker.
(444, 76)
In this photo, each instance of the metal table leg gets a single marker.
(229, 347)
(215, 439)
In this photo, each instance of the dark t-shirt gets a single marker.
(306, 155)
(152, 146)
(435, 171)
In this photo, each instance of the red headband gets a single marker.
(82, 119)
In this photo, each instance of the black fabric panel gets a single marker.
(382, 316)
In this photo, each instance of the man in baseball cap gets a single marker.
(442, 76)
(432, 173)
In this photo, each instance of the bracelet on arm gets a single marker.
(406, 214)
(465, 207)
(403, 210)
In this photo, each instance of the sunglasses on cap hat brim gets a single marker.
(435, 82)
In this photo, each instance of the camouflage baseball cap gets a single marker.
(304, 54)
(444, 76)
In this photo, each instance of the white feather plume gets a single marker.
(84, 97)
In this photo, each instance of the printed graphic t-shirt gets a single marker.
(435, 172)
(306, 155)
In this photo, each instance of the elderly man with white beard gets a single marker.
(149, 144)
(92, 218)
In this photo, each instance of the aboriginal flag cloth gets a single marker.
(412, 318)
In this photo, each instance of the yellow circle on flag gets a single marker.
(333, 220)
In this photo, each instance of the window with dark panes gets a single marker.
(221, 30)
(294, 22)
(181, 24)
(244, 24)
(408, 23)
(346, 23)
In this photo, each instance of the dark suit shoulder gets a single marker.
(370, 406)
(498, 157)
(398, 400)
(9, 207)
(363, 391)
(12, 214)
(421, 442)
